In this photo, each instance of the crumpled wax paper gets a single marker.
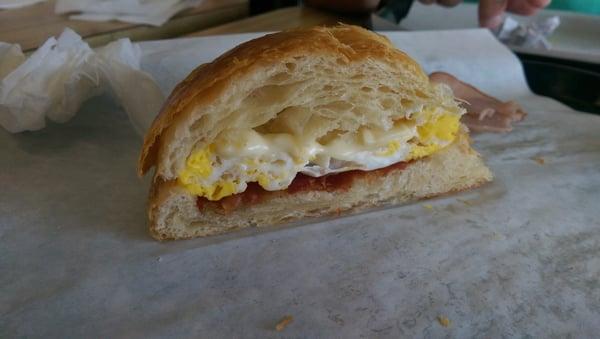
(151, 12)
(64, 72)
(533, 34)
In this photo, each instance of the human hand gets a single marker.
(491, 12)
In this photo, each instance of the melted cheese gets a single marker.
(273, 159)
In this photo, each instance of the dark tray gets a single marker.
(574, 83)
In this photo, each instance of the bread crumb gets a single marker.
(497, 236)
(444, 321)
(338, 211)
(282, 324)
(539, 160)
(466, 202)
(427, 207)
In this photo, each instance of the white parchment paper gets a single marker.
(517, 257)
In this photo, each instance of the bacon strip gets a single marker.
(332, 182)
(484, 113)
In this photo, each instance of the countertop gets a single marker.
(32, 25)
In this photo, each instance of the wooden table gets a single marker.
(280, 19)
(31, 26)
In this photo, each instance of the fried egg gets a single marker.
(238, 157)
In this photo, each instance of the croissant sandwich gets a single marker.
(302, 123)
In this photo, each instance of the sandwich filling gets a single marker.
(272, 158)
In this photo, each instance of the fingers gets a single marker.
(491, 12)
(526, 7)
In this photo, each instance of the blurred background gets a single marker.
(558, 41)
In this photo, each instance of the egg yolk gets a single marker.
(444, 128)
(391, 148)
(199, 165)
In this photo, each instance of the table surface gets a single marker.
(31, 26)
(277, 20)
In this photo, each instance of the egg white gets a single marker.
(273, 159)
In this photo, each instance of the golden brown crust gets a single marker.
(208, 82)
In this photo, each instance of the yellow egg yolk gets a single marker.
(444, 128)
(199, 165)
(391, 148)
